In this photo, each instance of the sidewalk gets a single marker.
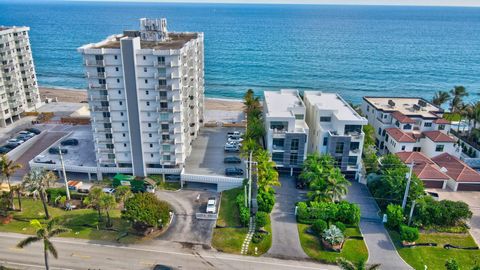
(380, 247)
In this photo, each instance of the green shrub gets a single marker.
(323, 210)
(441, 213)
(348, 213)
(54, 193)
(319, 226)
(147, 210)
(451, 264)
(265, 201)
(394, 216)
(341, 226)
(261, 219)
(258, 237)
(244, 215)
(303, 215)
(408, 234)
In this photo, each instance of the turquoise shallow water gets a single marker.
(354, 50)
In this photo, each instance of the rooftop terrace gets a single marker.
(406, 105)
(280, 103)
(175, 41)
(333, 102)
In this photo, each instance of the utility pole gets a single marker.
(411, 212)
(250, 180)
(407, 188)
(64, 172)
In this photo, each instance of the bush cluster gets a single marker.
(261, 219)
(319, 226)
(395, 216)
(147, 209)
(408, 234)
(243, 211)
(345, 212)
(441, 213)
(258, 237)
(265, 200)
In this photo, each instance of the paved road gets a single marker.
(185, 227)
(380, 247)
(285, 241)
(83, 254)
(472, 198)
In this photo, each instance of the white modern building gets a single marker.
(18, 83)
(409, 124)
(286, 130)
(335, 129)
(146, 96)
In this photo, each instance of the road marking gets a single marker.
(218, 256)
(80, 256)
(16, 249)
(32, 265)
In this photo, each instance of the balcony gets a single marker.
(172, 64)
(101, 108)
(94, 63)
(159, 76)
(99, 97)
(164, 110)
(98, 87)
(161, 87)
(159, 64)
(354, 152)
(101, 75)
(174, 76)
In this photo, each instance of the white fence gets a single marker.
(222, 182)
(206, 216)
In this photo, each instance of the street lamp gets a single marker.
(64, 172)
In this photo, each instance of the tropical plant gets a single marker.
(267, 175)
(145, 209)
(8, 168)
(18, 189)
(265, 200)
(370, 159)
(108, 202)
(408, 234)
(369, 131)
(44, 234)
(395, 216)
(319, 226)
(94, 199)
(451, 264)
(440, 98)
(122, 193)
(314, 170)
(360, 265)
(249, 145)
(37, 181)
(457, 93)
(336, 185)
(261, 219)
(333, 235)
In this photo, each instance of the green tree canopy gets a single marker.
(147, 209)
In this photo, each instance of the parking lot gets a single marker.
(186, 228)
(207, 157)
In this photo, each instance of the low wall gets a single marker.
(22, 148)
(223, 183)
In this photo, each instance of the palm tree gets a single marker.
(267, 176)
(361, 265)
(458, 92)
(107, 202)
(37, 181)
(94, 200)
(440, 98)
(122, 193)
(44, 233)
(315, 168)
(8, 168)
(249, 145)
(18, 190)
(336, 186)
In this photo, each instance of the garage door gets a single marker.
(469, 187)
(433, 184)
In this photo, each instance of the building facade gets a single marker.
(286, 130)
(335, 129)
(18, 82)
(409, 124)
(146, 96)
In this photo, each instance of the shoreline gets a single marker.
(80, 96)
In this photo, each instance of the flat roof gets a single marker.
(280, 103)
(405, 105)
(333, 102)
(174, 41)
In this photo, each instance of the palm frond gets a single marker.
(374, 266)
(27, 241)
(49, 246)
(345, 264)
(57, 231)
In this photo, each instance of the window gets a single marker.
(441, 127)
(294, 144)
(108, 135)
(118, 80)
(120, 102)
(325, 119)
(164, 116)
(106, 114)
(439, 148)
(119, 92)
(102, 81)
(166, 157)
(151, 145)
(124, 145)
(165, 127)
(146, 81)
(397, 123)
(299, 116)
(325, 141)
(124, 135)
(123, 124)
(144, 57)
(278, 125)
(379, 131)
(148, 103)
(121, 113)
(357, 129)
(166, 148)
(161, 59)
(368, 108)
(354, 146)
(149, 114)
(277, 157)
(293, 159)
(116, 57)
(146, 92)
(278, 143)
(107, 125)
(145, 69)
(150, 135)
(427, 124)
(109, 146)
(165, 137)
(403, 147)
(339, 147)
(417, 149)
(149, 124)
(352, 160)
(162, 82)
(407, 127)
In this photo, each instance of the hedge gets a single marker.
(345, 212)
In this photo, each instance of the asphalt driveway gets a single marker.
(185, 227)
(285, 240)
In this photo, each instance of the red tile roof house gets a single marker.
(425, 169)
(462, 177)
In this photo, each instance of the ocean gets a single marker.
(353, 50)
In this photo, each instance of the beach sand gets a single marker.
(77, 96)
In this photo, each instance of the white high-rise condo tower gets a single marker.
(146, 94)
(18, 83)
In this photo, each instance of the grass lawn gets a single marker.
(266, 243)
(435, 257)
(228, 215)
(165, 185)
(353, 249)
(82, 222)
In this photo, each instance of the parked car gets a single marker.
(434, 195)
(34, 130)
(232, 159)
(26, 133)
(233, 171)
(212, 205)
(234, 143)
(43, 159)
(70, 141)
(84, 188)
(11, 145)
(56, 151)
(15, 141)
(108, 190)
(4, 150)
(231, 148)
(162, 267)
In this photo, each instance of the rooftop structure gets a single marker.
(287, 132)
(18, 82)
(425, 169)
(409, 106)
(336, 129)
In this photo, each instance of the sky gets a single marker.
(475, 3)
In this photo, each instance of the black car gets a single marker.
(232, 160)
(234, 171)
(11, 145)
(34, 130)
(56, 151)
(162, 267)
(4, 150)
(70, 142)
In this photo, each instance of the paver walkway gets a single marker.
(380, 247)
(285, 241)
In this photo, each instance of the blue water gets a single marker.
(354, 50)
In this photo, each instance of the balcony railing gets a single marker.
(101, 108)
(98, 87)
(102, 75)
(90, 62)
